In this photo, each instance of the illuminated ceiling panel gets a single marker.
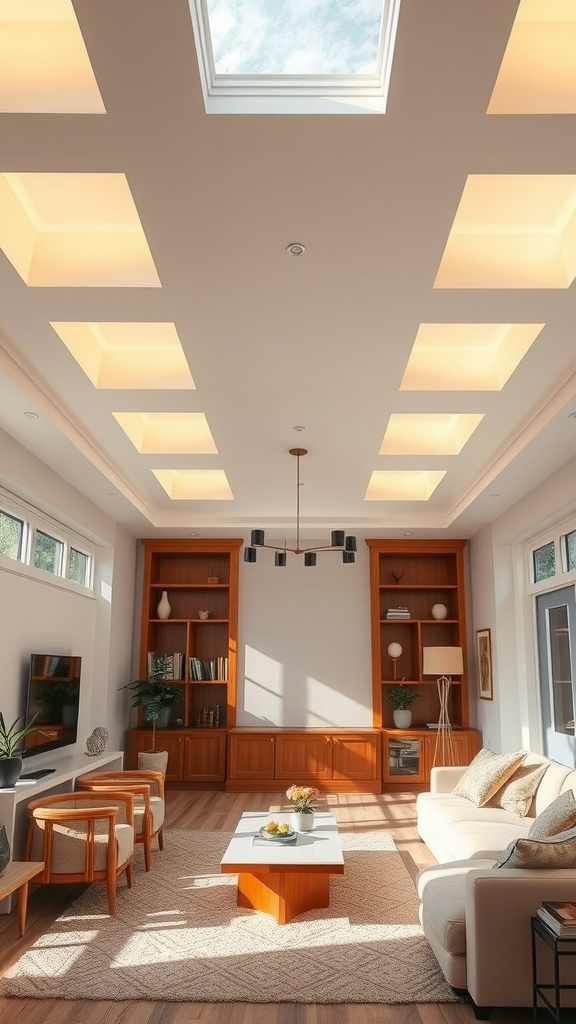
(195, 484)
(183, 433)
(466, 357)
(128, 355)
(428, 433)
(512, 231)
(74, 231)
(403, 484)
(44, 66)
(538, 70)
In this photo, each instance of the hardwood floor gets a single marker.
(220, 811)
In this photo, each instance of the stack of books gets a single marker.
(397, 613)
(560, 917)
(165, 666)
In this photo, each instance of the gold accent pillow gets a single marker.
(486, 774)
(517, 794)
(557, 817)
(555, 852)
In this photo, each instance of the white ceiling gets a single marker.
(275, 342)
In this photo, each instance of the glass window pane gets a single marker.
(560, 670)
(11, 536)
(78, 567)
(544, 562)
(570, 544)
(48, 553)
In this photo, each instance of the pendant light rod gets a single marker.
(339, 541)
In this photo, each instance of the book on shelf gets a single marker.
(560, 917)
(213, 669)
(165, 666)
(397, 613)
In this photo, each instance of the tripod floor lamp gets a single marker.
(443, 662)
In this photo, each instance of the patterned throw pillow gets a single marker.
(557, 817)
(556, 852)
(517, 794)
(486, 774)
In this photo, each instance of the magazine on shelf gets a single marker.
(560, 917)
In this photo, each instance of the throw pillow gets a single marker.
(486, 774)
(555, 852)
(557, 817)
(517, 794)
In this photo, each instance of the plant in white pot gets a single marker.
(11, 742)
(156, 698)
(401, 698)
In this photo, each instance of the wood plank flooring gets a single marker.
(221, 811)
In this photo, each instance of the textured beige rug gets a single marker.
(178, 935)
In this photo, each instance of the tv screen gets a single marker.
(53, 697)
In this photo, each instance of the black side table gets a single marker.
(561, 947)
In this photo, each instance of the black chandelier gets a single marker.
(338, 539)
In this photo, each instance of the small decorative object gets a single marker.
(439, 611)
(303, 797)
(484, 654)
(97, 740)
(213, 577)
(4, 849)
(203, 613)
(164, 607)
(401, 698)
(397, 573)
(394, 650)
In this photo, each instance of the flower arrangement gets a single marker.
(303, 798)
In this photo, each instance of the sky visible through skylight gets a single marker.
(295, 37)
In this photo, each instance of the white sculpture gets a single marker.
(96, 742)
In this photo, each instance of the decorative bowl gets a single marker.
(277, 837)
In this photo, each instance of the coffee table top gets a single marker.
(318, 850)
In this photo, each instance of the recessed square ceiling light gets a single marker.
(74, 230)
(260, 57)
(171, 433)
(512, 231)
(428, 433)
(44, 65)
(131, 356)
(195, 484)
(403, 484)
(538, 70)
(466, 357)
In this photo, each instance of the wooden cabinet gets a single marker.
(193, 756)
(408, 755)
(346, 760)
(166, 739)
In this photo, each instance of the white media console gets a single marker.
(14, 801)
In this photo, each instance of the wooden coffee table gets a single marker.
(280, 879)
(15, 878)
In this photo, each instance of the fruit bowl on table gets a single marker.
(277, 836)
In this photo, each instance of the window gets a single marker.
(79, 567)
(544, 562)
(48, 553)
(11, 535)
(569, 550)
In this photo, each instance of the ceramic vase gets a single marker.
(402, 718)
(10, 768)
(164, 607)
(4, 849)
(439, 611)
(301, 822)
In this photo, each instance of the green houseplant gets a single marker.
(401, 698)
(11, 738)
(155, 698)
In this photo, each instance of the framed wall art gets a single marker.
(484, 655)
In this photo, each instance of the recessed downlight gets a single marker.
(31, 415)
(295, 249)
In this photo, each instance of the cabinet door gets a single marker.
(404, 757)
(204, 756)
(303, 757)
(356, 757)
(250, 756)
(141, 739)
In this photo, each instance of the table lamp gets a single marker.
(443, 662)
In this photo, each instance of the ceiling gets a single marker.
(273, 342)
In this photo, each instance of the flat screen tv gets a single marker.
(53, 696)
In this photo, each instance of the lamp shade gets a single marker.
(442, 661)
(394, 650)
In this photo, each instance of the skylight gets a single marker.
(295, 56)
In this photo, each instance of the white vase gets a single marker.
(402, 718)
(164, 607)
(301, 822)
(439, 611)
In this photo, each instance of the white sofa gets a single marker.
(477, 918)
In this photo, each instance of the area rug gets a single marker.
(178, 935)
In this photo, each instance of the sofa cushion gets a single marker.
(486, 774)
(557, 817)
(558, 851)
(442, 892)
(453, 828)
(517, 794)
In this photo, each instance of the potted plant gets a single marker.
(10, 744)
(401, 698)
(156, 698)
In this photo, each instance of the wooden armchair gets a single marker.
(83, 837)
(149, 802)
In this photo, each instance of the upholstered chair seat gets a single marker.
(83, 837)
(149, 802)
